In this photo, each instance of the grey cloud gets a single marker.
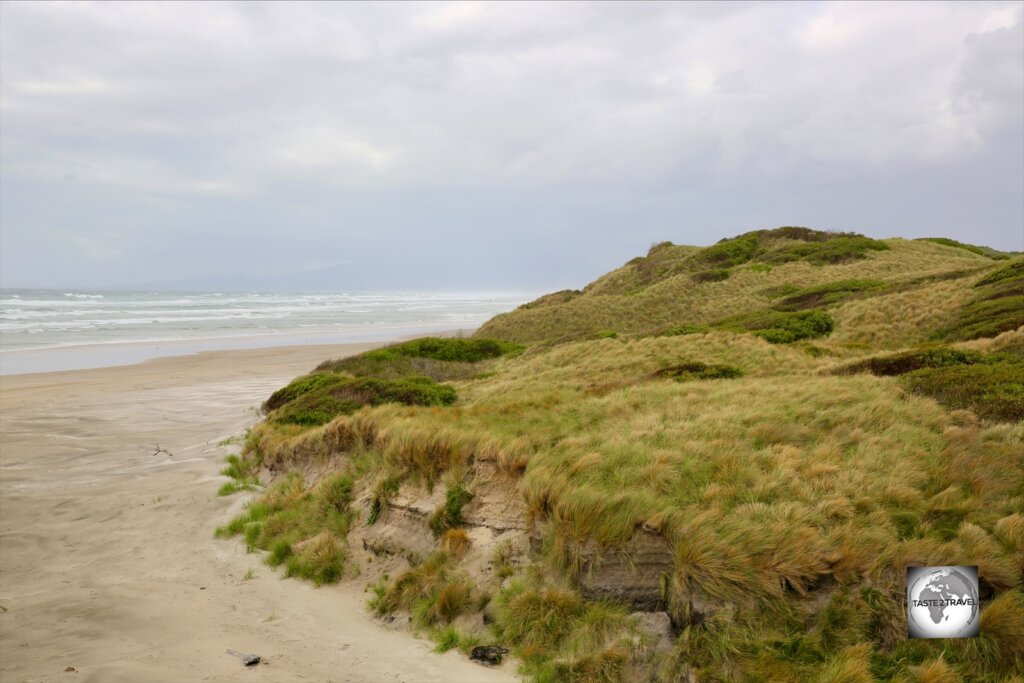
(517, 144)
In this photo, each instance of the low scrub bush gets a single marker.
(679, 330)
(695, 370)
(732, 251)
(998, 306)
(781, 327)
(1011, 271)
(345, 395)
(448, 349)
(838, 249)
(826, 294)
(908, 361)
(715, 275)
(992, 390)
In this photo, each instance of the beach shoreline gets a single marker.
(115, 354)
(108, 562)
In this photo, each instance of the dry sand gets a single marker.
(107, 557)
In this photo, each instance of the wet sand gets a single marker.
(107, 557)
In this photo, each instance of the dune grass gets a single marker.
(792, 482)
(658, 291)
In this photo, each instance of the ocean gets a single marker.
(43, 330)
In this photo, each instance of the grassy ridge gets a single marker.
(792, 482)
(659, 291)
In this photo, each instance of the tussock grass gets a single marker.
(243, 476)
(781, 327)
(792, 497)
(433, 591)
(449, 514)
(302, 527)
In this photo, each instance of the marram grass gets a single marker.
(793, 483)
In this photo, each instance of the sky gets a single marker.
(480, 146)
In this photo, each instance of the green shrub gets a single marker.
(838, 249)
(299, 387)
(716, 275)
(448, 349)
(987, 318)
(1014, 270)
(781, 327)
(732, 251)
(347, 394)
(992, 390)
(696, 371)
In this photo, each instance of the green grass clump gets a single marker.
(974, 249)
(433, 591)
(715, 275)
(559, 636)
(242, 473)
(606, 334)
(302, 527)
(448, 515)
(695, 371)
(781, 327)
(345, 395)
(826, 294)
(680, 330)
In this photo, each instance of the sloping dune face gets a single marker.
(712, 463)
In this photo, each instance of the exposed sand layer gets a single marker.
(107, 557)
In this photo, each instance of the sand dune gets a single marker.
(107, 557)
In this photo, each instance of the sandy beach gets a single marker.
(108, 565)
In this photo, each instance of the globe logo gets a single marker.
(942, 602)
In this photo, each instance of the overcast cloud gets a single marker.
(486, 145)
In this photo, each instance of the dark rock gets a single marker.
(488, 654)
